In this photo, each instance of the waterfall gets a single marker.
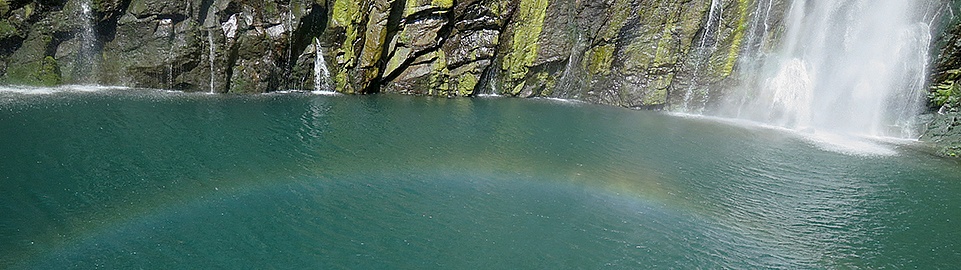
(703, 51)
(88, 45)
(846, 66)
(569, 79)
(165, 29)
(289, 30)
(321, 74)
(211, 57)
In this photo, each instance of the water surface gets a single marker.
(127, 178)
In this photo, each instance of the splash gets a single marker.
(846, 66)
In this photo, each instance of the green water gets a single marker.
(123, 178)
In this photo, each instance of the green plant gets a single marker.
(947, 93)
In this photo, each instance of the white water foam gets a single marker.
(322, 80)
(314, 92)
(37, 90)
(846, 67)
(325, 93)
(847, 144)
(559, 100)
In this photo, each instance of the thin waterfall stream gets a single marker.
(702, 52)
(321, 73)
(88, 55)
(211, 57)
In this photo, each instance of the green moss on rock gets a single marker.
(345, 17)
(49, 73)
(946, 95)
(4, 8)
(737, 38)
(620, 11)
(659, 88)
(666, 54)
(30, 65)
(415, 6)
(45, 72)
(528, 24)
(466, 83)
(638, 55)
(7, 30)
(598, 59)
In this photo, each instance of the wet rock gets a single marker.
(146, 8)
(152, 52)
(943, 130)
(32, 64)
(630, 53)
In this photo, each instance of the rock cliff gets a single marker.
(631, 53)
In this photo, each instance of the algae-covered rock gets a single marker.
(631, 53)
(152, 52)
(520, 49)
(442, 49)
(7, 30)
(145, 8)
(943, 130)
(14, 25)
(30, 65)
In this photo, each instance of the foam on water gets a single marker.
(35, 90)
(325, 93)
(848, 144)
(559, 100)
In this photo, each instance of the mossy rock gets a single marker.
(528, 24)
(4, 8)
(45, 72)
(598, 59)
(7, 29)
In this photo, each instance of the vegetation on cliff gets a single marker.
(631, 53)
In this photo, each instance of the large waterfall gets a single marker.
(845, 66)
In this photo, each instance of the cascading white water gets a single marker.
(211, 57)
(847, 66)
(568, 77)
(703, 51)
(88, 44)
(321, 74)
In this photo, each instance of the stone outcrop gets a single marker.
(942, 124)
(631, 53)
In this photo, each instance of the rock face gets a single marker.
(942, 124)
(631, 53)
(945, 91)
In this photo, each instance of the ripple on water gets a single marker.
(424, 220)
(131, 178)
